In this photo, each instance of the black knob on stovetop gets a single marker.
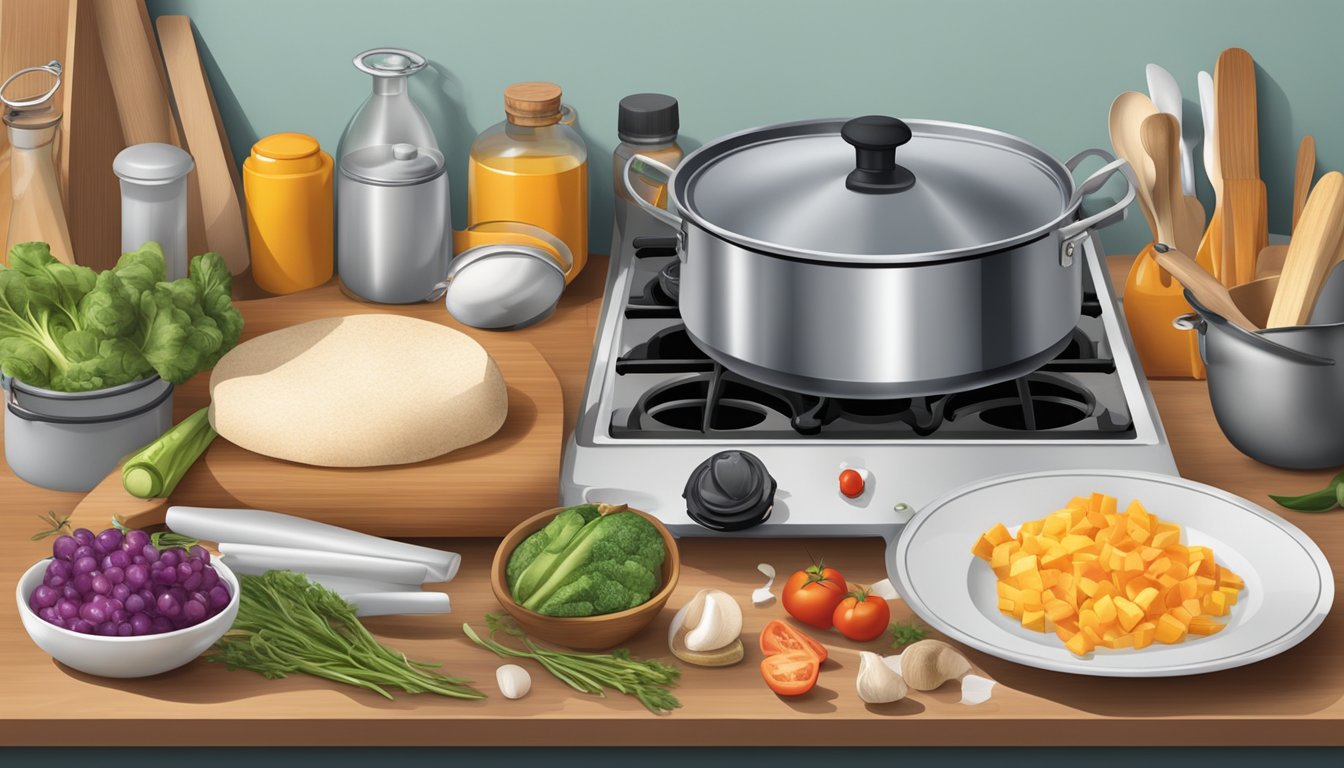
(730, 491)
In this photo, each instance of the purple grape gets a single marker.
(92, 613)
(53, 580)
(136, 540)
(83, 536)
(160, 624)
(165, 576)
(136, 575)
(209, 578)
(84, 550)
(150, 554)
(67, 609)
(117, 559)
(70, 593)
(58, 622)
(167, 605)
(83, 583)
(64, 548)
(115, 575)
(110, 539)
(101, 584)
(120, 615)
(134, 604)
(193, 610)
(192, 582)
(141, 624)
(121, 592)
(82, 626)
(219, 597)
(138, 560)
(171, 557)
(45, 596)
(85, 565)
(107, 629)
(124, 629)
(48, 614)
(197, 565)
(184, 572)
(200, 553)
(61, 568)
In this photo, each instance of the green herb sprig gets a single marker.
(591, 673)
(1323, 500)
(905, 633)
(287, 624)
(161, 539)
(56, 526)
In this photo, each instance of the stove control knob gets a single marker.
(852, 483)
(730, 491)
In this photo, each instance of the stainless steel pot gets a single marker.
(69, 441)
(812, 261)
(1278, 394)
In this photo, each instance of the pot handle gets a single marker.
(638, 163)
(1094, 183)
(12, 403)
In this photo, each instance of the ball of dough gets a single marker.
(358, 391)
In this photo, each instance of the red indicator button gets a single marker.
(851, 484)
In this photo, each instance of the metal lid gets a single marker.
(873, 189)
(393, 164)
(152, 163)
(286, 146)
(389, 62)
(648, 118)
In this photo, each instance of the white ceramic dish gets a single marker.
(124, 656)
(1289, 584)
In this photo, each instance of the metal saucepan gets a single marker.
(1278, 394)
(812, 261)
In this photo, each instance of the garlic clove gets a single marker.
(877, 682)
(719, 623)
(976, 689)
(928, 664)
(514, 681)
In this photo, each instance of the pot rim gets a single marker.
(1262, 338)
(704, 156)
(16, 384)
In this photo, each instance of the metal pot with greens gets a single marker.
(880, 258)
(89, 360)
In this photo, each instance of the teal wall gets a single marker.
(1044, 69)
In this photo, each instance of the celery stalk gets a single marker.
(155, 470)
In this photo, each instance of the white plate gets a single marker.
(1289, 585)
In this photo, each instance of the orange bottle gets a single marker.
(532, 168)
(287, 181)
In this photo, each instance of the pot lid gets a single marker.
(873, 189)
(152, 163)
(393, 164)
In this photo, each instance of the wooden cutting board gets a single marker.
(482, 490)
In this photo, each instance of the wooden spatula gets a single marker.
(1161, 140)
(1239, 161)
(1314, 250)
(1128, 112)
(1211, 293)
(1270, 260)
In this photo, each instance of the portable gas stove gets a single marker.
(668, 431)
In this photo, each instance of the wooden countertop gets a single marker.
(1294, 699)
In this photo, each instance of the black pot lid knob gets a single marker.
(875, 139)
(730, 491)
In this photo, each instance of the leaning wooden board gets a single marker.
(481, 490)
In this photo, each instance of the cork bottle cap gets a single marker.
(532, 104)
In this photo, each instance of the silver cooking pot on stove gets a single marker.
(813, 261)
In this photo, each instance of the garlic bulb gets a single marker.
(514, 681)
(712, 620)
(878, 683)
(927, 664)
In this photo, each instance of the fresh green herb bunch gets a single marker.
(592, 673)
(905, 633)
(287, 624)
(68, 328)
(56, 526)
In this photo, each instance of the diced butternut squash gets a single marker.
(1097, 577)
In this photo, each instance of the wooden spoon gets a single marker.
(1270, 260)
(1313, 252)
(1161, 138)
(1210, 293)
(1239, 160)
(1128, 112)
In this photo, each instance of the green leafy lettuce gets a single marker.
(68, 328)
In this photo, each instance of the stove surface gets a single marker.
(656, 407)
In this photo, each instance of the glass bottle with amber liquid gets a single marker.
(532, 168)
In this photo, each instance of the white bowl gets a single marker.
(140, 656)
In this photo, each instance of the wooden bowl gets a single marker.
(584, 633)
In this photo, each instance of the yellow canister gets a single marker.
(287, 181)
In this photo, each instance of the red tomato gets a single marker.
(861, 616)
(811, 595)
(779, 637)
(790, 674)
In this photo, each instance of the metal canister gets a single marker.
(395, 239)
(154, 201)
(288, 184)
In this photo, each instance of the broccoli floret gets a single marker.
(543, 549)
(611, 565)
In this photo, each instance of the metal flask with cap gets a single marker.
(394, 233)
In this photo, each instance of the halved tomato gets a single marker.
(790, 674)
(779, 637)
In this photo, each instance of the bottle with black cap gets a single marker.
(647, 125)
